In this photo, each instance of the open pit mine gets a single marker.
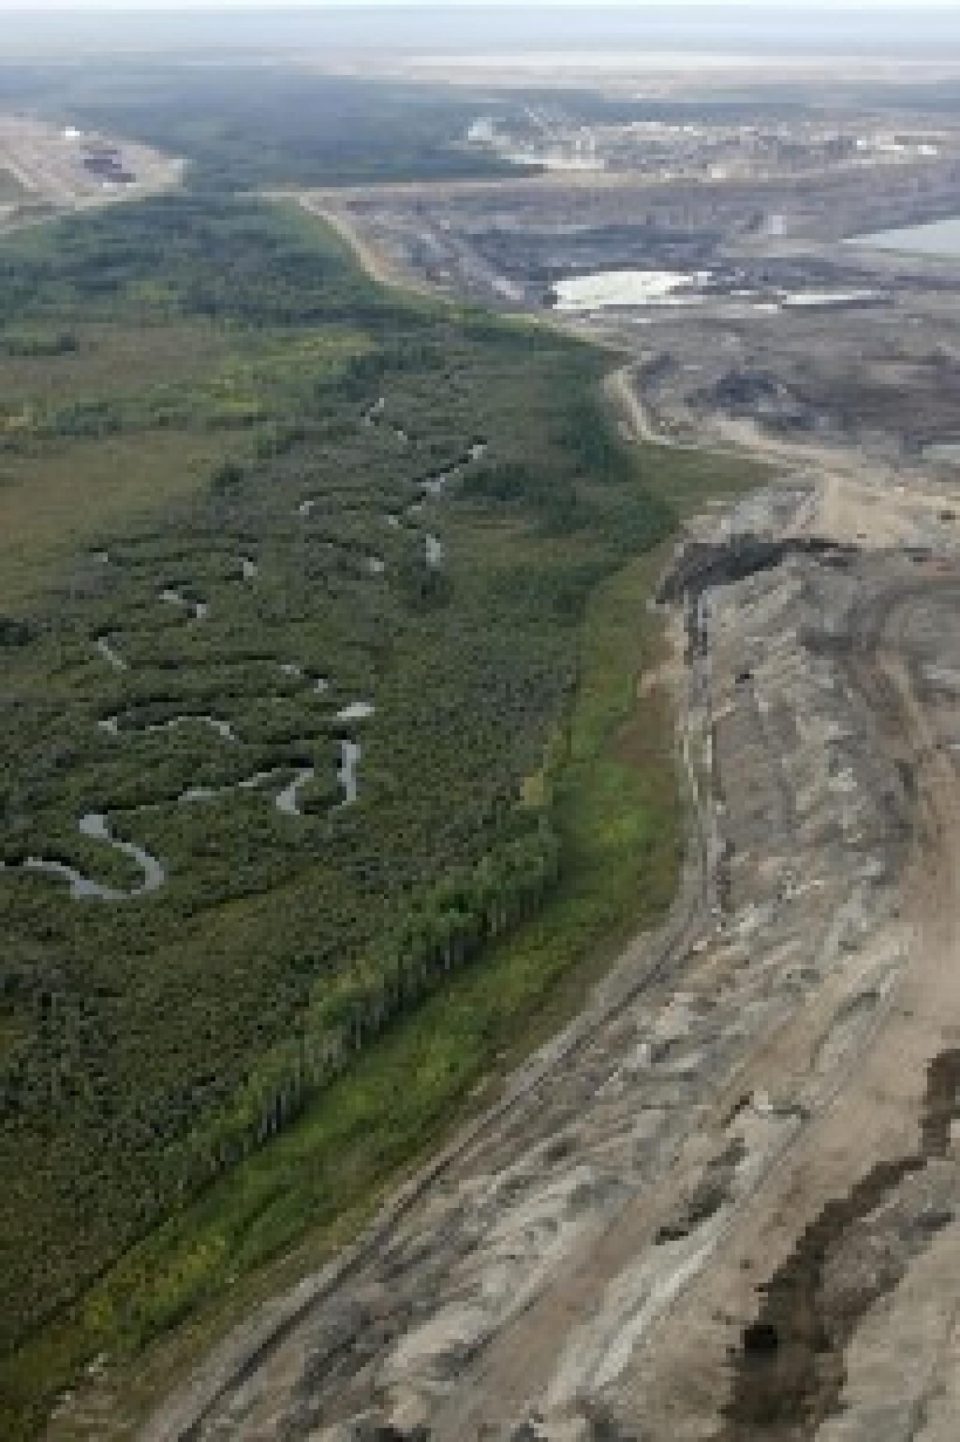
(724, 1204)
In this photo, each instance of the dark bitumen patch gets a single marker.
(789, 1371)
(703, 563)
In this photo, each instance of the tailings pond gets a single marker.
(938, 238)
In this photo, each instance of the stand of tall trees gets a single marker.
(448, 927)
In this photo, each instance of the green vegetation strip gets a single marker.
(323, 1177)
(169, 1136)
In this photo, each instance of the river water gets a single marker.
(95, 826)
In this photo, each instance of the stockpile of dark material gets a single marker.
(703, 564)
(105, 163)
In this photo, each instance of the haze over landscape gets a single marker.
(755, 26)
(480, 785)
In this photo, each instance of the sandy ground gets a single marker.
(875, 1117)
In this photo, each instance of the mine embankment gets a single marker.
(609, 1231)
(706, 564)
(829, 1275)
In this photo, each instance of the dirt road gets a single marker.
(337, 216)
(636, 424)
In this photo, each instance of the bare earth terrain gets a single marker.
(725, 1204)
(46, 169)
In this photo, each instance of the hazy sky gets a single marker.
(767, 6)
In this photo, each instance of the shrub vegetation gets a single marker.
(182, 658)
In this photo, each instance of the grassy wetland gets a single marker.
(326, 781)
